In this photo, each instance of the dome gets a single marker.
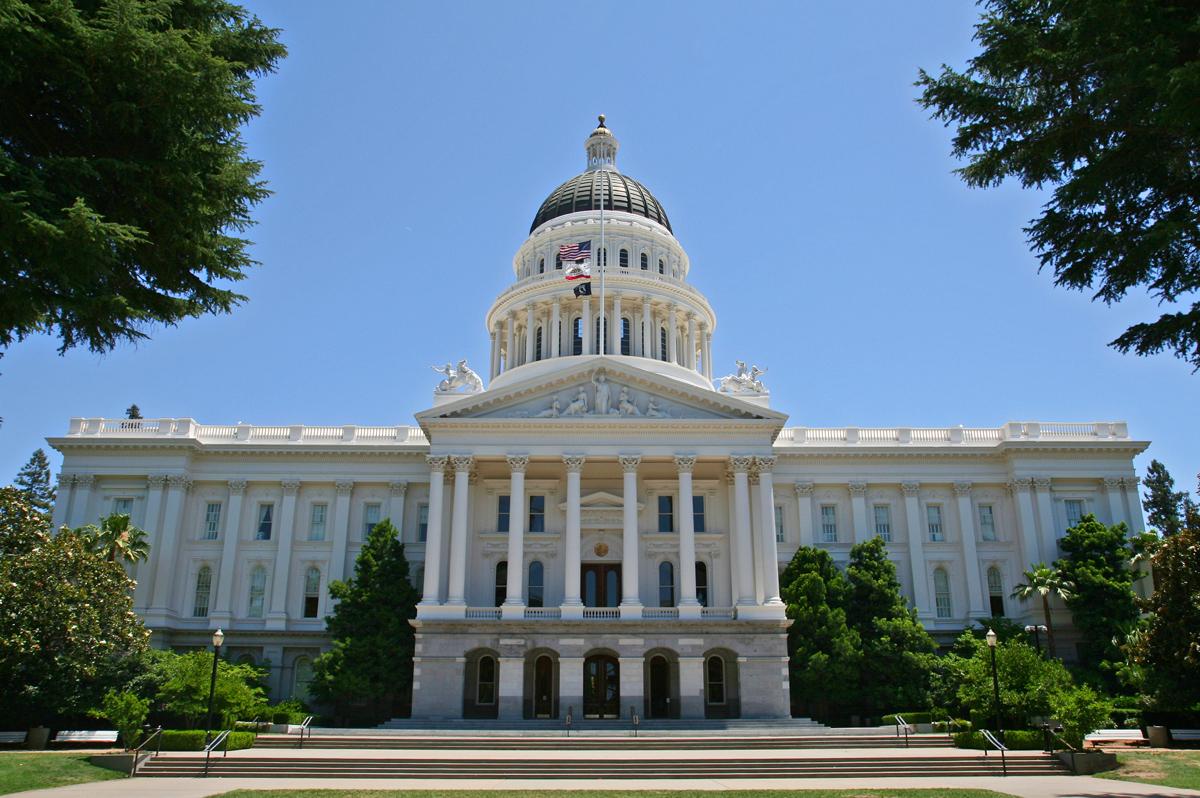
(582, 193)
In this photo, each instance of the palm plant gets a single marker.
(117, 538)
(1045, 581)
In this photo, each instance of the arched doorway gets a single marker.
(601, 687)
(543, 687)
(660, 687)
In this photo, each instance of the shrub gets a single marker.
(126, 712)
(1014, 740)
(193, 740)
(1080, 710)
(290, 711)
(955, 725)
(910, 717)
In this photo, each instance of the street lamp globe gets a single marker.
(991, 638)
(218, 638)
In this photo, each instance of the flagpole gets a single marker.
(602, 258)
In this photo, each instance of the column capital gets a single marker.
(344, 486)
(290, 487)
(236, 487)
(630, 462)
(1041, 483)
(804, 488)
(574, 463)
(857, 487)
(67, 479)
(684, 463)
(175, 481)
(962, 488)
(765, 465)
(1131, 482)
(1021, 484)
(911, 488)
(462, 462)
(158, 480)
(436, 462)
(740, 464)
(1112, 483)
(85, 480)
(398, 487)
(517, 463)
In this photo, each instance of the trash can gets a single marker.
(1158, 737)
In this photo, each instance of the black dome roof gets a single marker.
(582, 193)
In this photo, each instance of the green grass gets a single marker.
(609, 794)
(1165, 768)
(35, 770)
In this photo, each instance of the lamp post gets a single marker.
(1036, 630)
(991, 641)
(218, 638)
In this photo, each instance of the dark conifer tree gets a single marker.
(33, 480)
(1162, 501)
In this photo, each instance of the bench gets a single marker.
(92, 736)
(12, 738)
(1127, 736)
(1185, 735)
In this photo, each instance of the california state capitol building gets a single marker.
(599, 515)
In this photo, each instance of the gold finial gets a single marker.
(601, 120)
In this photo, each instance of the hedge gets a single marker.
(910, 717)
(1015, 740)
(193, 740)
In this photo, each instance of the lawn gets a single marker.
(1165, 768)
(610, 794)
(26, 770)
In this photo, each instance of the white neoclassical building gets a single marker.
(602, 528)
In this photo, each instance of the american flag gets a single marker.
(574, 252)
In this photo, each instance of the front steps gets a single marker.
(557, 727)
(383, 741)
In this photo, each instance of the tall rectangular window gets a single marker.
(266, 513)
(698, 514)
(212, 520)
(372, 514)
(258, 591)
(666, 513)
(941, 593)
(933, 513)
(883, 522)
(537, 513)
(422, 522)
(203, 588)
(317, 521)
(987, 522)
(503, 511)
(778, 524)
(1074, 509)
(122, 506)
(829, 523)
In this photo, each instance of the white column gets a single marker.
(804, 510)
(494, 363)
(770, 546)
(399, 489)
(734, 569)
(705, 357)
(585, 323)
(966, 529)
(1137, 525)
(691, 353)
(222, 612)
(154, 536)
(168, 542)
(572, 605)
(555, 333)
(745, 555)
(858, 509)
(615, 337)
(672, 336)
(631, 602)
(530, 332)
(1026, 521)
(916, 547)
(518, 519)
(456, 595)
(62, 501)
(647, 323)
(509, 323)
(277, 615)
(341, 528)
(756, 525)
(433, 536)
(83, 497)
(1116, 508)
(689, 607)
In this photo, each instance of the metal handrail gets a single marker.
(303, 728)
(901, 722)
(1001, 747)
(220, 739)
(137, 752)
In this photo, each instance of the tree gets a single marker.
(124, 181)
(133, 412)
(34, 482)
(185, 681)
(67, 625)
(117, 539)
(1095, 100)
(1103, 606)
(1163, 502)
(1044, 581)
(126, 712)
(1028, 681)
(1167, 650)
(368, 673)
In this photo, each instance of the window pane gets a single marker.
(779, 524)
(371, 516)
(934, 514)
(698, 513)
(536, 584)
(258, 589)
(501, 586)
(212, 520)
(422, 522)
(265, 513)
(203, 587)
(122, 506)
(829, 523)
(502, 514)
(666, 585)
(702, 584)
(666, 513)
(1074, 512)
(987, 522)
(316, 528)
(883, 522)
(941, 589)
(537, 513)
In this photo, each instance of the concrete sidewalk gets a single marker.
(1022, 786)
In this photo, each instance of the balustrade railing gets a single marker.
(717, 613)
(660, 612)
(601, 613)
(488, 613)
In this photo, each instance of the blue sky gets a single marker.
(409, 145)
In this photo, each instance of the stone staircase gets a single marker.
(586, 742)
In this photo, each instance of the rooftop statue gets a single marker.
(744, 381)
(460, 376)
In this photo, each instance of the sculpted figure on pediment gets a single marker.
(579, 405)
(603, 394)
(625, 405)
(553, 411)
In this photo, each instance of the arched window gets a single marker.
(485, 681)
(714, 672)
(302, 676)
(626, 332)
(542, 266)
(666, 584)
(995, 584)
(623, 259)
(501, 582)
(537, 584)
(941, 593)
(203, 588)
(662, 266)
(577, 337)
(702, 583)
(662, 344)
(258, 590)
(537, 345)
(604, 257)
(645, 262)
(312, 592)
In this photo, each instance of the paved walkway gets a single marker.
(1023, 786)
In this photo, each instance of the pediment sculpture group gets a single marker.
(602, 405)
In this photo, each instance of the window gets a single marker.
(1074, 509)
(316, 521)
(626, 331)
(258, 591)
(645, 262)
(501, 582)
(577, 337)
(623, 259)
(302, 676)
(122, 506)
(715, 677)
(883, 522)
(422, 522)
(312, 592)
(265, 513)
(371, 515)
(212, 520)
(662, 267)
(541, 266)
(702, 583)
(941, 593)
(995, 584)
(829, 523)
(933, 513)
(604, 257)
(418, 580)
(537, 345)
(537, 585)
(666, 513)
(203, 588)
(662, 343)
(698, 514)
(502, 513)
(485, 688)
(537, 513)
(558, 261)
(778, 524)
(666, 584)
(987, 522)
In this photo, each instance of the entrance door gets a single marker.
(660, 688)
(543, 688)
(601, 585)
(601, 687)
